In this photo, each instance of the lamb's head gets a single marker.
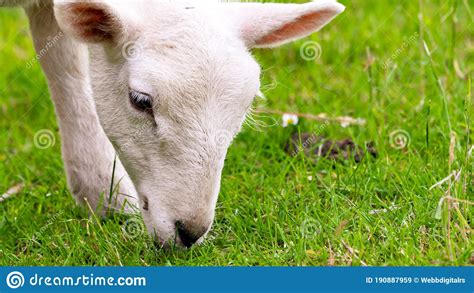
(173, 82)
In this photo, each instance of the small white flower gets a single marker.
(345, 124)
(290, 119)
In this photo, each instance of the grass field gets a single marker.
(275, 209)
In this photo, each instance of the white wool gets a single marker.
(192, 58)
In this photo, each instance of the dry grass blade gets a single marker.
(458, 70)
(12, 191)
(344, 121)
(454, 174)
(331, 260)
(353, 252)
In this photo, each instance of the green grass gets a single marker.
(269, 212)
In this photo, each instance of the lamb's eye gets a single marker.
(141, 101)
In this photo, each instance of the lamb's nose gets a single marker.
(189, 234)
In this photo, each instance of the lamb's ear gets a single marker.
(264, 25)
(88, 21)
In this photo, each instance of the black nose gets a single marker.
(188, 234)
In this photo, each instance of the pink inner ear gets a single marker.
(301, 27)
(92, 23)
